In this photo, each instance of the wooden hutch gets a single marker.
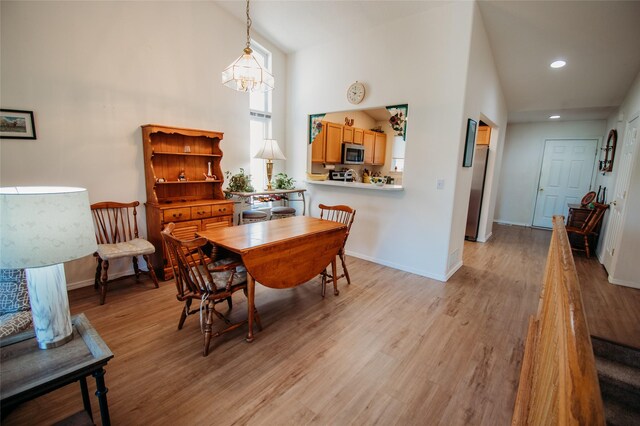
(176, 165)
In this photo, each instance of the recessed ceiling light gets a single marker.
(554, 117)
(558, 64)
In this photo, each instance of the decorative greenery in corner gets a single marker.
(240, 182)
(282, 181)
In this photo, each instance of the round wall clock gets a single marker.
(355, 93)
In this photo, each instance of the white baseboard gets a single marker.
(89, 282)
(453, 270)
(509, 223)
(485, 239)
(623, 282)
(400, 267)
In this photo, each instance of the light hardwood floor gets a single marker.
(392, 348)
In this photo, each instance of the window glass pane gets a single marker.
(259, 131)
(261, 101)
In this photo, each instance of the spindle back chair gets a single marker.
(201, 276)
(116, 229)
(343, 214)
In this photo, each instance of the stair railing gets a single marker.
(558, 381)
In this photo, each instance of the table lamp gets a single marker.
(270, 151)
(41, 227)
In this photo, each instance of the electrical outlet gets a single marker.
(440, 184)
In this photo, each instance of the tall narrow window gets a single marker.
(260, 105)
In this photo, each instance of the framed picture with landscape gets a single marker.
(470, 143)
(16, 124)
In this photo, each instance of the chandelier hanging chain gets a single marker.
(248, 28)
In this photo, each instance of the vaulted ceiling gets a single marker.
(598, 39)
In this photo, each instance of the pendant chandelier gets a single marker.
(245, 73)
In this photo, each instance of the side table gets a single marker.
(28, 372)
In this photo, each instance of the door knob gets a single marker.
(541, 189)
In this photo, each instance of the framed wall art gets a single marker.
(16, 124)
(470, 143)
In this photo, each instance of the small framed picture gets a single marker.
(16, 124)
(470, 143)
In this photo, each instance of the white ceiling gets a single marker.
(600, 40)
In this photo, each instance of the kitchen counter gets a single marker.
(356, 185)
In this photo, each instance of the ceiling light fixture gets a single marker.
(245, 73)
(558, 64)
(554, 117)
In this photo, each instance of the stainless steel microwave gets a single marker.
(352, 153)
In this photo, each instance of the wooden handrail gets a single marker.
(558, 381)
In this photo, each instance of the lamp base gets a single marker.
(269, 174)
(49, 305)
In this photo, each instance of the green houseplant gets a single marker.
(240, 182)
(282, 181)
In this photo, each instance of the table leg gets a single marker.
(85, 397)
(101, 393)
(251, 290)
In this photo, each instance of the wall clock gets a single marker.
(355, 93)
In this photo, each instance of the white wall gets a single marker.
(524, 146)
(424, 64)
(484, 101)
(94, 72)
(625, 269)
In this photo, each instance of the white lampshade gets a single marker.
(270, 151)
(42, 226)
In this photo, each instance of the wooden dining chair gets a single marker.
(587, 230)
(345, 215)
(202, 276)
(116, 228)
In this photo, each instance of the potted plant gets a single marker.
(240, 182)
(282, 181)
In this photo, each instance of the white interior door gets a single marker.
(565, 176)
(616, 215)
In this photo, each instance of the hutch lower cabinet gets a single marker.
(184, 185)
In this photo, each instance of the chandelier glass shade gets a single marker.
(245, 74)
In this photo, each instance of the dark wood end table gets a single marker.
(28, 372)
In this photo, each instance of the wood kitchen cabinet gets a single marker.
(484, 134)
(193, 204)
(327, 146)
(358, 136)
(375, 147)
(347, 134)
(379, 149)
(369, 141)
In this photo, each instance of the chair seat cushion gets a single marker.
(283, 210)
(135, 247)
(220, 278)
(253, 214)
(14, 323)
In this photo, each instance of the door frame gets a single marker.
(594, 169)
(613, 261)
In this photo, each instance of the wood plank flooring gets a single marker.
(393, 349)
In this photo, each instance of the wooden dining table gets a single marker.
(281, 253)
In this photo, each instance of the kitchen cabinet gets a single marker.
(175, 162)
(379, 149)
(484, 133)
(327, 146)
(358, 136)
(375, 147)
(369, 141)
(347, 134)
